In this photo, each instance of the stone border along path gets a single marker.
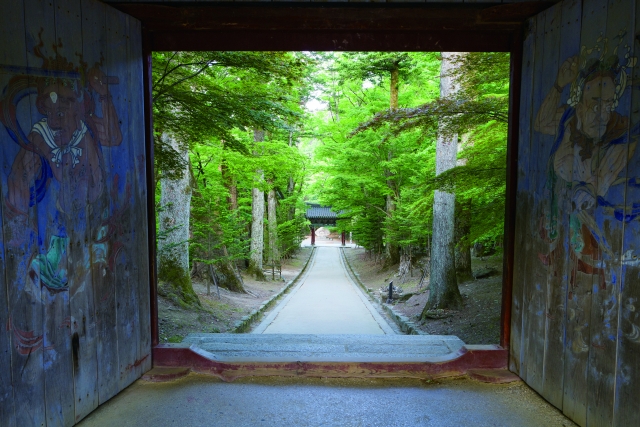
(404, 323)
(244, 324)
(325, 301)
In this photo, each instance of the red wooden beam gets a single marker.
(333, 40)
(343, 16)
(510, 199)
(465, 27)
(468, 358)
(456, 27)
(151, 203)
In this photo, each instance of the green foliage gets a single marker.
(211, 102)
(175, 339)
(376, 67)
(354, 155)
(355, 172)
(218, 233)
(365, 151)
(199, 96)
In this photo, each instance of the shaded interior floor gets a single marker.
(199, 400)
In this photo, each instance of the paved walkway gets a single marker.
(325, 302)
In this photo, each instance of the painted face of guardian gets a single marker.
(594, 110)
(61, 108)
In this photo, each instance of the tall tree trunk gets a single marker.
(229, 274)
(291, 186)
(257, 220)
(393, 90)
(392, 251)
(226, 271)
(443, 286)
(233, 194)
(230, 183)
(273, 227)
(173, 246)
(463, 247)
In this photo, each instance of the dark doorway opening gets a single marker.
(437, 27)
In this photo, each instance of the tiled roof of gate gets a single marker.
(316, 211)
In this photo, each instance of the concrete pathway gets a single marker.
(325, 302)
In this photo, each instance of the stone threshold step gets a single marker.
(334, 348)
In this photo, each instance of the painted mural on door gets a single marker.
(576, 330)
(60, 165)
(592, 146)
(74, 300)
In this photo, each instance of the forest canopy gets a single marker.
(254, 136)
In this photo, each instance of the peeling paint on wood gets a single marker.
(70, 294)
(577, 214)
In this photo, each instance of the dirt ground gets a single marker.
(477, 323)
(218, 314)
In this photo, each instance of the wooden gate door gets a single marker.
(575, 333)
(74, 292)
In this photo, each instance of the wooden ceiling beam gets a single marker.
(331, 26)
(461, 41)
(372, 17)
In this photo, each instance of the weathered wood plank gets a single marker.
(579, 301)
(521, 225)
(11, 24)
(122, 172)
(566, 40)
(21, 232)
(56, 231)
(140, 222)
(563, 267)
(105, 229)
(536, 279)
(7, 414)
(605, 286)
(88, 222)
(627, 392)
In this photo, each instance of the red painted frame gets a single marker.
(456, 364)
(348, 39)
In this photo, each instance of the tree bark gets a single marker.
(291, 186)
(393, 90)
(274, 255)
(173, 246)
(227, 272)
(463, 246)
(392, 251)
(443, 286)
(233, 196)
(257, 220)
